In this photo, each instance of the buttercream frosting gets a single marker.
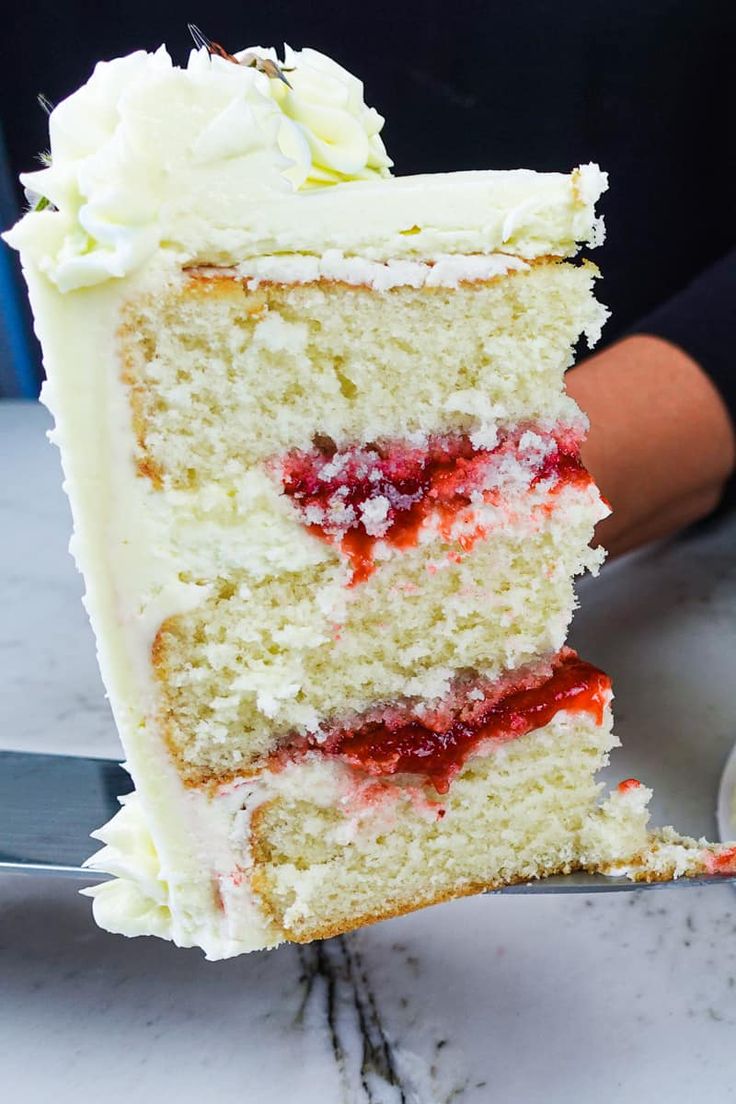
(145, 142)
(217, 163)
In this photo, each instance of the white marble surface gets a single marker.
(615, 997)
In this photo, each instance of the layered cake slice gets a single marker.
(328, 503)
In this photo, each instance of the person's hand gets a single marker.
(661, 443)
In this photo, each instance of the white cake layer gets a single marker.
(152, 895)
(260, 658)
(518, 810)
(224, 375)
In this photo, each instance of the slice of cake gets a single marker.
(328, 503)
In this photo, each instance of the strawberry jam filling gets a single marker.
(385, 491)
(628, 784)
(436, 746)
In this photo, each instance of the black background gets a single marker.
(644, 87)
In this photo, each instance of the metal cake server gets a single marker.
(49, 804)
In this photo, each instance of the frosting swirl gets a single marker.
(144, 142)
(326, 107)
(218, 163)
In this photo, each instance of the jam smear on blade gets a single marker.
(360, 495)
(381, 750)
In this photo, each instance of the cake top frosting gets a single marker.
(220, 161)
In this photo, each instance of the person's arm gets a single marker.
(661, 444)
(662, 409)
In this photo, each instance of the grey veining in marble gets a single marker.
(538, 1000)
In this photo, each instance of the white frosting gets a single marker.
(140, 900)
(137, 892)
(145, 146)
(217, 163)
(328, 133)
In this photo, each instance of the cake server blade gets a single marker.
(49, 804)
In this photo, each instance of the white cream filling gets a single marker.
(445, 271)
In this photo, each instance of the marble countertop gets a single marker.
(539, 999)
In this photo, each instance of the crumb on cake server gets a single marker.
(328, 504)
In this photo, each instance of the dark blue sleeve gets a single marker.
(701, 319)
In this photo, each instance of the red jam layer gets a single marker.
(383, 748)
(356, 496)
